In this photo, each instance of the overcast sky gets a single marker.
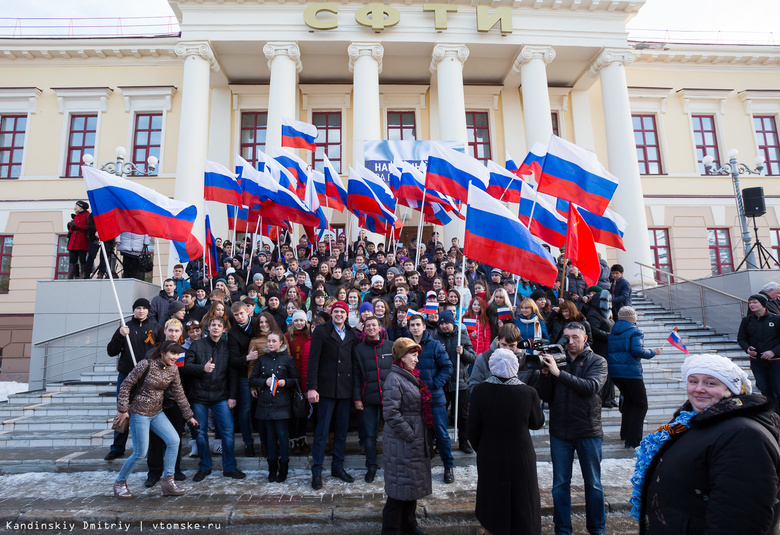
(757, 18)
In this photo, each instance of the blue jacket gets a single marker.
(626, 347)
(435, 367)
(621, 295)
(527, 329)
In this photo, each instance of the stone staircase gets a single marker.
(79, 413)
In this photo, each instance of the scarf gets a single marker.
(648, 449)
(500, 381)
(425, 396)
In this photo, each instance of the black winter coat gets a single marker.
(575, 396)
(159, 306)
(371, 362)
(143, 336)
(330, 362)
(720, 477)
(450, 342)
(621, 295)
(600, 327)
(500, 417)
(221, 383)
(238, 348)
(281, 364)
(762, 333)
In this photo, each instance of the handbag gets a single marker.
(300, 405)
(125, 425)
(146, 260)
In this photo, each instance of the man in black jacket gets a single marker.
(372, 360)
(759, 337)
(239, 336)
(620, 290)
(192, 311)
(573, 393)
(329, 380)
(141, 334)
(213, 385)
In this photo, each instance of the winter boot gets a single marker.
(283, 468)
(170, 488)
(121, 490)
(84, 273)
(73, 271)
(295, 446)
(273, 466)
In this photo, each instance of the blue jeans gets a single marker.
(371, 428)
(223, 420)
(589, 452)
(120, 439)
(139, 427)
(244, 406)
(767, 376)
(442, 435)
(277, 431)
(328, 408)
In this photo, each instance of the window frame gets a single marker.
(79, 101)
(20, 101)
(60, 254)
(771, 167)
(82, 148)
(654, 248)
(314, 159)
(472, 141)
(3, 255)
(149, 147)
(14, 133)
(697, 120)
(774, 239)
(657, 145)
(719, 264)
(254, 146)
(402, 127)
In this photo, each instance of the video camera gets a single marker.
(535, 361)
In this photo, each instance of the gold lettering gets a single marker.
(440, 13)
(377, 20)
(311, 20)
(485, 21)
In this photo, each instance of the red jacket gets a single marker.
(299, 351)
(78, 237)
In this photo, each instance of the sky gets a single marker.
(747, 21)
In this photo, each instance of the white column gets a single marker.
(514, 136)
(448, 62)
(621, 149)
(193, 129)
(365, 64)
(219, 145)
(284, 61)
(580, 111)
(531, 63)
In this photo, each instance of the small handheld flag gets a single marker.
(504, 313)
(431, 307)
(180, 360)
(274, 384)
(676, 341)
(410, 313)
(470, 324)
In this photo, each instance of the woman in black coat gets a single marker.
(502, 411)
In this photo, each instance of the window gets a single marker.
(478, 135)
(147, 138)
(253, 129)
(662, 254)
(12, 129)
(705, 140)
(768, 144)
(61, 267)
(554, 117)
(6, 245)
(721, 260)
(81, 141)
(647, 150)
(400, 125)
(328, 140)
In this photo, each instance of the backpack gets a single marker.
(605, 304)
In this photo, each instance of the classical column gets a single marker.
(531, 63)
(284, 62)
(365, 64)
(621, 149)
(193, 128)
(448, 62)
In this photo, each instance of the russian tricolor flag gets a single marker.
(297, 167)
(533, 162)
(510, 164)
(298, 134)
(495, 236)
(450, 172)
(286, 207)
(378, 186)
(240, 220)
(221, 185)
(676, 341)
(311, 202)
(470, 324)
(189, 250)
(258, 186)
(576, 175)
(411, 184)
(504, 313)
(212, 260)
(180, 360)
(361, 197)
(504, 185)
(274, 384)
(607, 229)
(120, 205)
(334, 188)
(431, 307)
(547, 224)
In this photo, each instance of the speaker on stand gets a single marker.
(753, 199)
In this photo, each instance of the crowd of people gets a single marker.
(298, 344)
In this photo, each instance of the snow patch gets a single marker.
(11, 387)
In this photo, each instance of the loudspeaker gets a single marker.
(754, 201)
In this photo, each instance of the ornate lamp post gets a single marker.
(120, 167)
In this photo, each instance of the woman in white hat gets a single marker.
(715, 468)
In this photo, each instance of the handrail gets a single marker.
(688, 280)
(78, 331)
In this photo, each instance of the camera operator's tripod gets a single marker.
(764, 256)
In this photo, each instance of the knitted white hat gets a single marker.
(720, 368)
(503, 363)
(299, 315)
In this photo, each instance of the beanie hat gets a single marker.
(402, 297)
(446, 316)
(273, 293)
(84, 205)
(628, 314)
(760, 298)
(376, 278)
(721, 368)
(597, 289)
(495, 271)
(394, 270)
(230, 270)
(503, 363)
(299, 315)
(142, 302)
(257, 276)
(537, 294)
(317, 293)
(174, 307)
(340, 304)
(402, 346)
(365, 307)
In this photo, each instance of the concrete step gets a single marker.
(106, 408)
(71, 398)
(47, 439)
(109, 377)
(55, 424)
(83, 387)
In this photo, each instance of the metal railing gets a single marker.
(67, 355)
(711, 307)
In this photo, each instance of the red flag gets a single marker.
(580, 247)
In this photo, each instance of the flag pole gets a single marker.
(252, 253)
(419, 229)
(460, 330)
(159, 260)
(235, 226)
(116, 297)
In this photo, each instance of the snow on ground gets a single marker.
(615, 473)
(11, 387)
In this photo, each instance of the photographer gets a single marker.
(573, 392)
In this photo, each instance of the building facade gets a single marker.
(497, 76)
